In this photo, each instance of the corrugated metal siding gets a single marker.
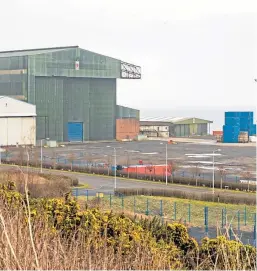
(187, 130)
(127, 112)
(12, 81)
(102, 109)
(76, 106)
(49, 104)
(62, 63)
(202, 129)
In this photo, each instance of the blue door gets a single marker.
(75, 131)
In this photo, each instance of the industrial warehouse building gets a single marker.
(174, 127)
(17, 122)
(74, 90)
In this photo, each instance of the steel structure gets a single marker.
(70, 86)
(130, 71)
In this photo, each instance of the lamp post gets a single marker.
(41, 154)
(213, 169)
(115, 165)
(166, 162)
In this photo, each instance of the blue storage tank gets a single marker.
(232, 114)
(232, 121)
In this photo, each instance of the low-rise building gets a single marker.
(174, 127)
(17, 122)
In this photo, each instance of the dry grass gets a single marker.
(28, 244)
(39, 185)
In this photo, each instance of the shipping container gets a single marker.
(252, 130)
(232, 121)
(246, 115)
(232, 114)
(230, 133)
(215, 133)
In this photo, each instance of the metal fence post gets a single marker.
(222, 218)
(245, 216)
(161, 211)
(189, 213)
(122, 202)
(254, 231)
(225, 216)
(110, 201)
(238, 222)
(134, 204)
(87, 195)
(175, 211)
(230, 233)
(206, 219)
(147, 207)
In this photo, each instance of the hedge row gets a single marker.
(159, 178)
(207, 196)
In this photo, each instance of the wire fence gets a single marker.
(238, 221)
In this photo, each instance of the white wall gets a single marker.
(21, 130)
(154, 128)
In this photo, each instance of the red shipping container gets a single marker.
(215, 133)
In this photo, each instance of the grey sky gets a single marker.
(192, 52)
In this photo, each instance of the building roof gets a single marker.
(10, 107)
(169, 119)
(34, 51)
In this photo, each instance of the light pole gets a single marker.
(41, 154)
(213, 169)
(166, 162)
(115, 165)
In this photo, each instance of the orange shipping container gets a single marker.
(215, 133)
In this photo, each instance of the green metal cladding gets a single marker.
(48, 78)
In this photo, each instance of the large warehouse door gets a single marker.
(75, 131)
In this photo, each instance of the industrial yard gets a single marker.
(186, 154)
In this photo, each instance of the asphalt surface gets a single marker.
(236, 159)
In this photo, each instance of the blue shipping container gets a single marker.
(252, 130)
(232, 121)
(247, 115)
(232, 114)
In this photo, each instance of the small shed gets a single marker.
(17, 122)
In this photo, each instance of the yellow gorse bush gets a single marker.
(169, 243)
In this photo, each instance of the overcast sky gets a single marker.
(193, 53)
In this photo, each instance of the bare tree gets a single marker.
(108, 163)
(71, 159)
(196, 172)
(89, 159)
(36, 157)
(222, 173)
(53, 158)
(7, 153)
(172, 168)
(21, 155)
(247, 175)
(150, 169)
(128, 162)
